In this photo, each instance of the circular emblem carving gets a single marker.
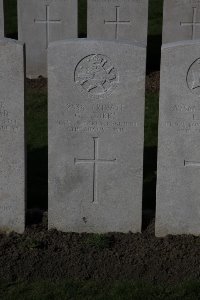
(193, 77)
(96, 76)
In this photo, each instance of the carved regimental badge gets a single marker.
(96, 76)
(193, 77)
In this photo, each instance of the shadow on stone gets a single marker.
(37, 179)
(149, 185)
(34, 216)
(82, 18)
(153, 52)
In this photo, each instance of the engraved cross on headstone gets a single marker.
(117, 22)
(95, 162)
(47, 22)
(188, 163)
(194, 23)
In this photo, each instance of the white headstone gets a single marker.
(1, 19)
(41, 22)
(123, 20)
(178, 183)
(96, 124)
(12, 145)
(181, 20)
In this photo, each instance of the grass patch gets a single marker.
(154, 34)
(30, 244)
(82, 26)
(37, 141)
(99, 241)
(70, 290)
(151, 119)
(36, 112)
(155, 17)
(10, 11)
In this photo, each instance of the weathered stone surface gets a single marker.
(181, 20)
(178, 184)
(1, 19)
(41, 22)
(12, 149)
(123, 20)
(96, 124)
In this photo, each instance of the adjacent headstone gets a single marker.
(178, 184)
(96, 124)
(12, 145)
(123, 20)
(181, 20)
(1, 19)
(41, 22)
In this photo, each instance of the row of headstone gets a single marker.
(44, 21)
(96, 123)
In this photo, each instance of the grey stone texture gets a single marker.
(41, 22)
(12, 137)
(178, 182)
(96, 124)
(181, 20)
(1, 19)
(122, 20)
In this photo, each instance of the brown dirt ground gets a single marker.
(53, 255)
(37, 84)
(153, 82)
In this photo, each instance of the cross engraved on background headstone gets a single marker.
(194, 23)
(188, 163)
(117, 22)
(47, 22)
(95, 161)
